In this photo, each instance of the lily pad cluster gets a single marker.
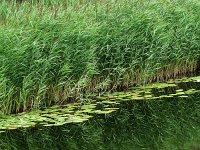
(147, 92)
(185, 79)
(77, 112)
(55, 115)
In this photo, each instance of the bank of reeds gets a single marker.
(54, 50)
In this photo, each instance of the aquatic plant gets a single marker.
(153, 125)
(51, 51)
(58, 115)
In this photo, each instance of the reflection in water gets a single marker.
(170, 124)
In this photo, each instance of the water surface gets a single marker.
(154, 117)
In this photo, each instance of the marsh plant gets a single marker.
(51, 51)
(149, 125)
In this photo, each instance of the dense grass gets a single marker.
(53, 50)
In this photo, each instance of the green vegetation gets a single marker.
(171, 124)
(51, 50)
(78, 112)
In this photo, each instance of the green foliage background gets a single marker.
(53, 50)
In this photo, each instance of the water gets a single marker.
(164, 123)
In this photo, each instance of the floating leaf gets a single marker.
(183, 96)
(160, 85)
(179, 90)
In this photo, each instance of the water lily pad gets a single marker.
(84, 111)
(153, 98)
(104, 111)
(91, 106)
(111, 108)
(159, 85)
(109, 102)
(183, 96)
(137, 98)
(180, 93)
(179, 90)
(148, 96)
(197, 78)
(165, 96)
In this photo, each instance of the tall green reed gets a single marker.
(54, 50)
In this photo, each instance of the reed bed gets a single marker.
(52, 51)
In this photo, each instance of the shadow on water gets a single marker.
(164, 124)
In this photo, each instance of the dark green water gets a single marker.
(160, 124)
